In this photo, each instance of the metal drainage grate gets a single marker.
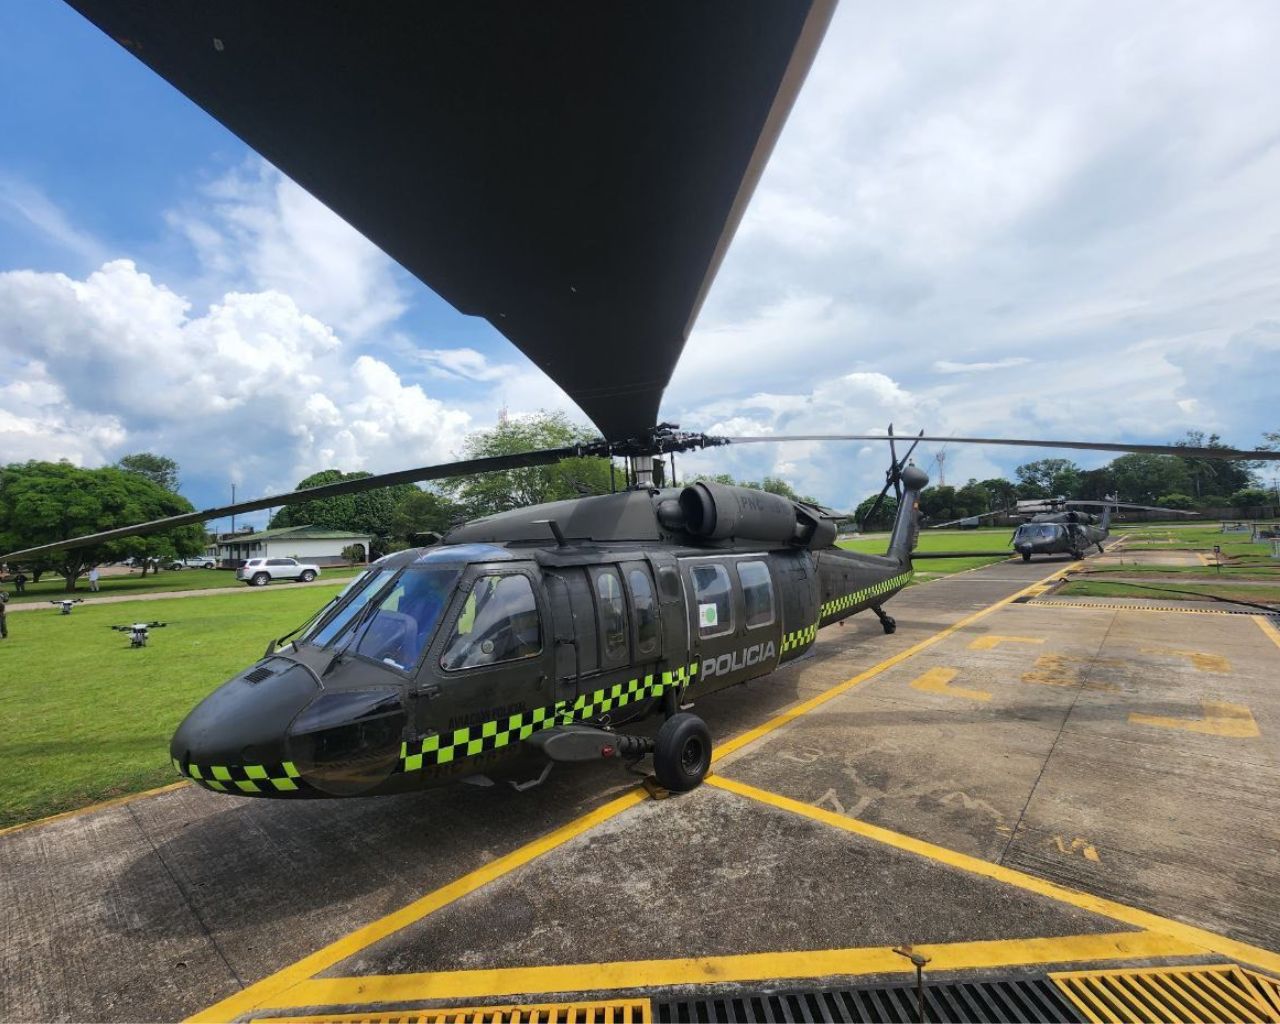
(613, 1011)
(1024, 999)
(1221, 992)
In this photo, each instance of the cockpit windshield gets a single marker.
(364, 587)
(401, 627)
(1033, 532)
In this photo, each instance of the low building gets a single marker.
(306, 543)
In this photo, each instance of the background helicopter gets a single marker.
(1057, 527)
(575, 179)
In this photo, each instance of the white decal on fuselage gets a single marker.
(727, 663)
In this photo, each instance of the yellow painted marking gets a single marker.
(1204, 559)
(1218, 992)
(800, 964)
(937, 680)
(1068, 670)
(1183, 933)
(1202, 661)
(1220, 719)
(994, 640)
(1130, 608)
(803, 708)
(613, 1011)
(263, 992)
(269, 990)
(1083, 846)
(1267, 627)
(95, 807)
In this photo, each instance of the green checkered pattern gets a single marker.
(445, 748)
(244, 778)
(840, 604)
(799, 637)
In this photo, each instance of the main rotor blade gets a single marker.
(1128, 504)
(444, 471)
(1182, 451)
(572, 172)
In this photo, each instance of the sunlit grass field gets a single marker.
(53, 587)
(87, 718)
(995, 540)
(1174, 590)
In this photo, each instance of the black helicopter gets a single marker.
(574, 176)
(1057, 526)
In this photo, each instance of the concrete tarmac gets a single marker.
(1005, 784)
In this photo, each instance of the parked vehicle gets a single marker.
(258, 572)
(196, 562)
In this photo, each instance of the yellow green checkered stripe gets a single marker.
(840, 604)
(799, 637)
(244, 778)
(445, 748)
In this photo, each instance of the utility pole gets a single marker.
(233, 515)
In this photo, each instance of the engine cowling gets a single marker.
(714, 511)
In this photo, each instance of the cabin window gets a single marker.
(712, 599)
(646, 613)
(498, 622)
(406, 619)
(611, 607)
(757, 593)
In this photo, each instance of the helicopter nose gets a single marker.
(234, 740)
(274, 733)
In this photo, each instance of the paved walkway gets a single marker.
(165, 595)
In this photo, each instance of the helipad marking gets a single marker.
(1267, 627)
(1077, 845)
(938, 680)
(994, 640)
(1220, 719)
(1198, 937)
(261, 994)
(745, 967)
(1202, 661)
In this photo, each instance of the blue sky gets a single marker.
(1031, 219)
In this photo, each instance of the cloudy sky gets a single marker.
(1025, 219)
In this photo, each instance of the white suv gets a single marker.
(258, 572)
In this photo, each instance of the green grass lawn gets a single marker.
(1197, 538)
(995, 541)
(87, 718)
(52, 586)
(1173, 591)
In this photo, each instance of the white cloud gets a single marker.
(252, 389)
(29, 209)
(255, 229)
(461, 364)
(950, 366)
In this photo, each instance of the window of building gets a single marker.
(642, 601)
(498, 622)
(712, 599)
(757, 593)
(611, 607)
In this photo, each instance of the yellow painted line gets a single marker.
(613, 1011)
(270, 990)
(716, 970)
(803, 708)
(1234, 721)
(993, 640)
(1183, 933)
(1267, 627)
(1201, 661)
(938, 680)
(1132, 608)
(93, 808)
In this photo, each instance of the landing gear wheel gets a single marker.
(682, 752)
(890, 624)
(260, 579)
(1026, 556)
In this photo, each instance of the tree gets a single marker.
(1143, 478)
(1178, 501)
(423, 512)
(884, 517)
(371, 512)
(45, 502)
(487, 493)
(1048, 478)
(159, 469)
(1001, 494)
(1250, 497)
(1215, 476)
(972, 499)
(1096, 484)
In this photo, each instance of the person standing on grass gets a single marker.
(4, 622)
(20, 582)
(93, 579)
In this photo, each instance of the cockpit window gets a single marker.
(1038, 531)
(407, 617)
(498, 622)
(365, 587)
